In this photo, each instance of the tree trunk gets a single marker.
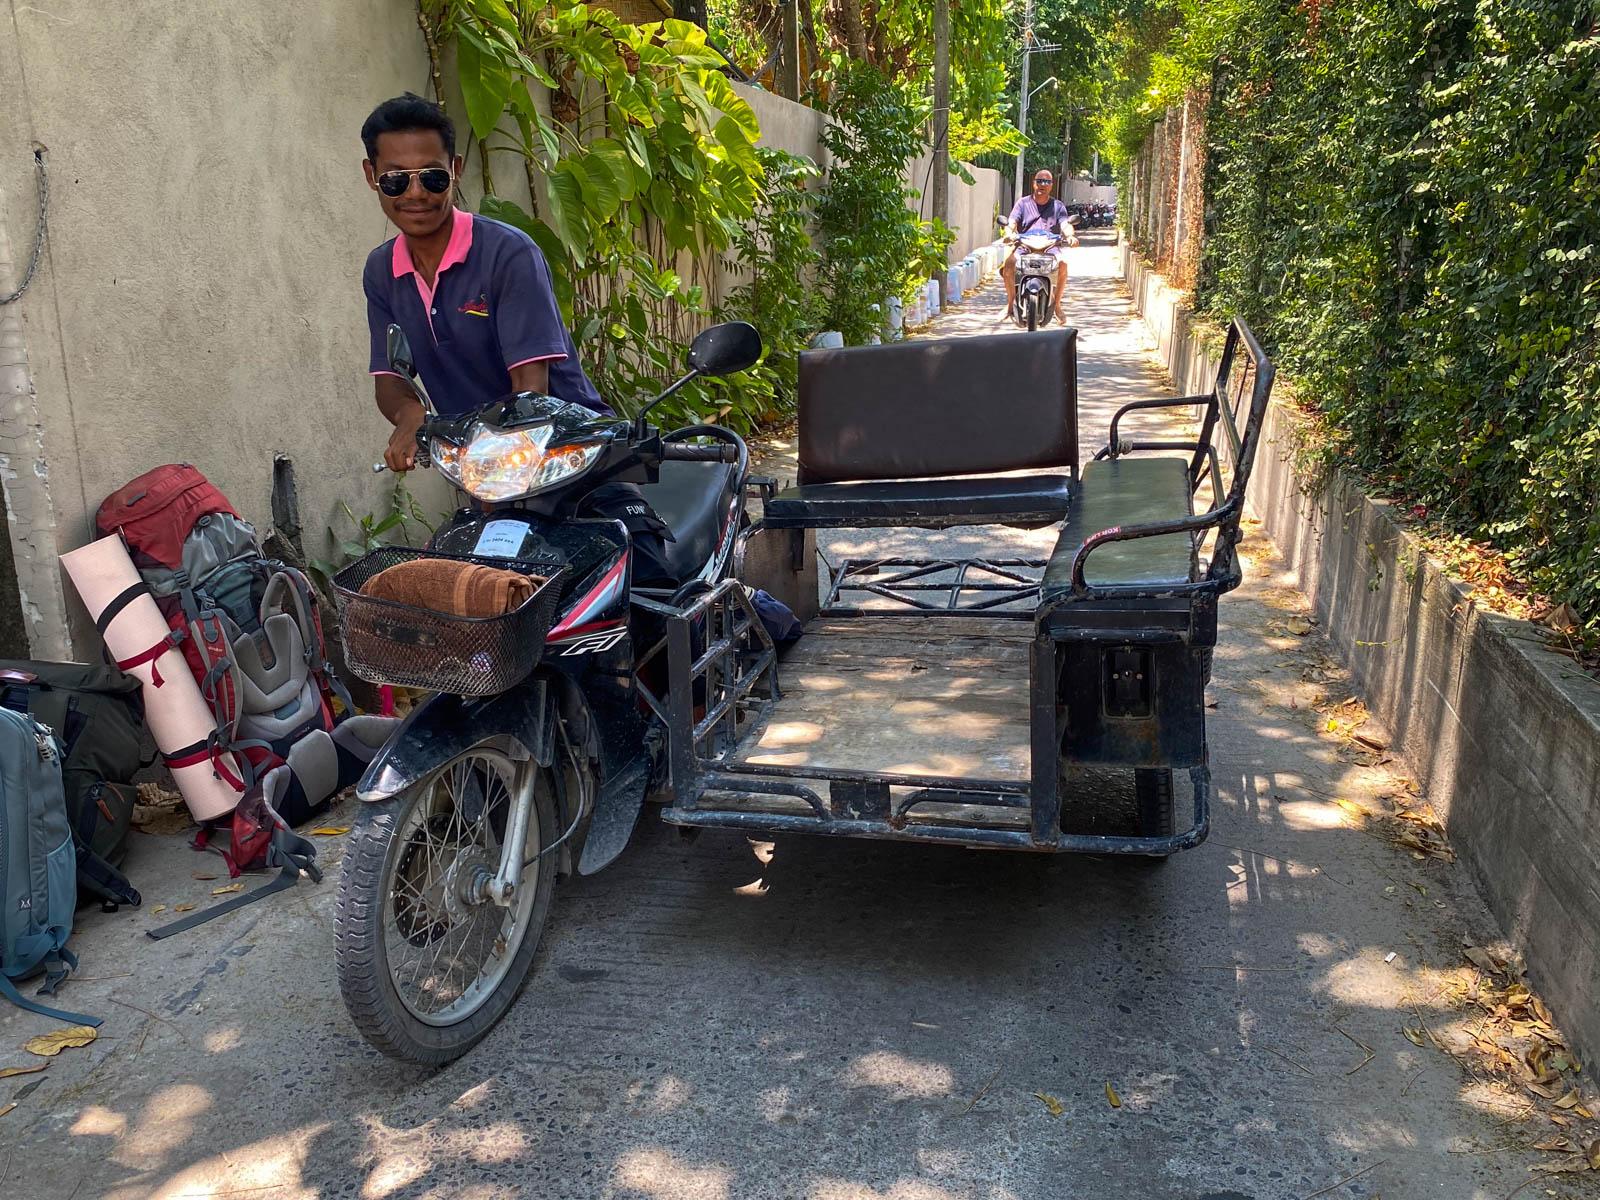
(855, 33)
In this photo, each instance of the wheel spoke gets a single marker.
(447, 954)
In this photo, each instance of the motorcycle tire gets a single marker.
(375, 919)
(1030, 312)
(1157, 807)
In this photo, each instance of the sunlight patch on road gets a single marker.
(901, 1077)
(662, 1174)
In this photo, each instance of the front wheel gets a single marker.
(427, 963)
(1030, 311)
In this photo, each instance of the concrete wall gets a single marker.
(1504, 732)
(798, 129)
(1081, 191)
(201, 297)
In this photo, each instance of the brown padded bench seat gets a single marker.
(1124, 492)
(883, 428)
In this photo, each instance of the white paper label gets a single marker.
(501, 539)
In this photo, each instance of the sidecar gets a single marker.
(968, 691)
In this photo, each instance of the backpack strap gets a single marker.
(91, 866)
(8, 990)
(290, 581)
(170, 642)
(288, 851)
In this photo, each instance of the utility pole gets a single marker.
(1030, 47)
(1022, 108)
(789, 52)
(941, 126)
(1066, 156)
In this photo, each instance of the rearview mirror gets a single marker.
(724, 349)
(400, 353)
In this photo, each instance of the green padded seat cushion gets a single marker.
(1126, 491)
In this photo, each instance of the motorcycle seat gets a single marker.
(695, 500)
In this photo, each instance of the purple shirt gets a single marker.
(1028, 217)
(490, 309)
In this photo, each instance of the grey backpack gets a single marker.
(38, 864)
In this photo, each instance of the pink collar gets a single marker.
(455, 252)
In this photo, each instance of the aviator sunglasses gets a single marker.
(434, 179)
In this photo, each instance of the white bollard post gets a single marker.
(897, 318)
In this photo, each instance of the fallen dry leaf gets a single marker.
(330, 830)
(1052, 1105)
(1299, 626)
(1479, 957)
(1561, 1119)
(1553, 1143)
(1592, 1154)
(183, 908)
(48, 1045)
(6, 1108)
(1539, 1089)
(1413, 1035)
(223, 891)
(160, 908)
(1111, 1095)
(1570, 1100)
(8, 1072)
(1372, 743)
(1568, 1167)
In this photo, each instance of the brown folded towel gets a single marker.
(458, 588)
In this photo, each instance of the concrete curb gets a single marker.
(1504, 732)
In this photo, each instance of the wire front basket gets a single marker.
(389, 642)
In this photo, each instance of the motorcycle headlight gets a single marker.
(496, 465)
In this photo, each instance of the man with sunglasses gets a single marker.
(475, 301)
(1038, 213)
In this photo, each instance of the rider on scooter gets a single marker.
(474, 299)
(1038, 213)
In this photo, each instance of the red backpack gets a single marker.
(220, 596)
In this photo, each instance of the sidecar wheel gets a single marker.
(426, 963)
(1157, 809)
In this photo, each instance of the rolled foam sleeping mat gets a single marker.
(139, 639)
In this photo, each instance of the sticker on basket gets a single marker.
(501, 539)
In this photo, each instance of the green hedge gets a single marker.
(1404, 199)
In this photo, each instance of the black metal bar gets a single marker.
(732, 693)
(1126, 533)
(717, 780)
(975, 611)
(1015, 787)
(961, 835)
(680, 712)
(1044, 742)
(968, 797)
(850, 827)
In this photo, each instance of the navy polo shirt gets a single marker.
(491, 308)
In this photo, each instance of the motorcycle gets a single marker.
(1036, 278)
(533, 755)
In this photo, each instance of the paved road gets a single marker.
(830, 1020)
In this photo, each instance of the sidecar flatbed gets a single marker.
(1044, 704)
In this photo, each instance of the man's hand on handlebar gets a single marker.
(401, 453)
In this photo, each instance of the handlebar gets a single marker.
(680, 453)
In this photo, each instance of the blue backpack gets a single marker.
(38, 864)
